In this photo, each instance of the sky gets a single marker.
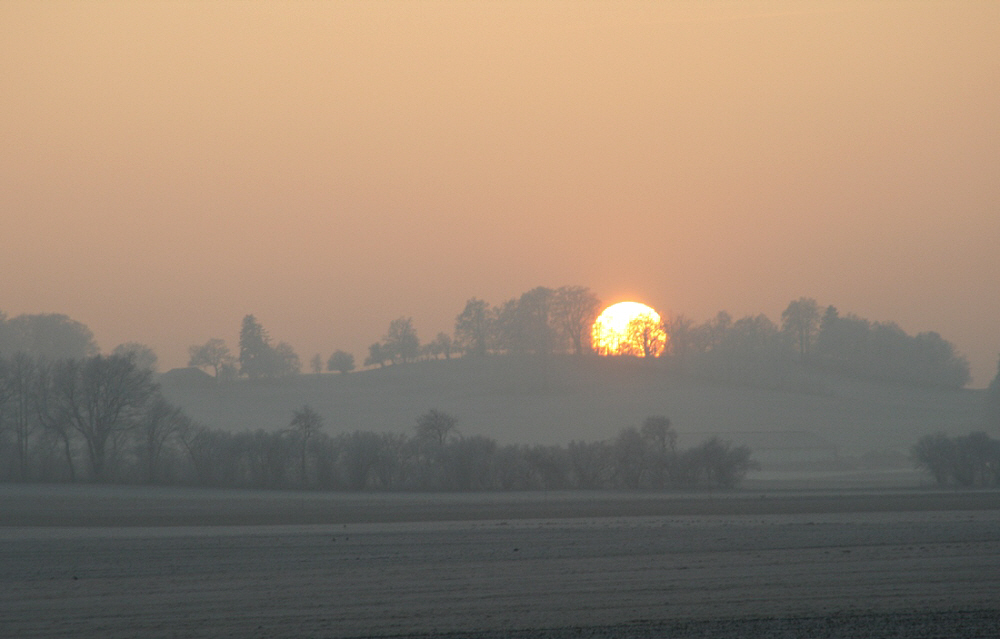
(169, 167)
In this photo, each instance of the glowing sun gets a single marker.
(628, 328)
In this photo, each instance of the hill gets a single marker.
(804, 414)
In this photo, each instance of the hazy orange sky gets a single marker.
(168, 167)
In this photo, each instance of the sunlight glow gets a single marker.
(629, 328)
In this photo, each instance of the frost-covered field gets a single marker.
(100, 562)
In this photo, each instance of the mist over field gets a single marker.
(500, 319)
(519, 400)
(538, 392)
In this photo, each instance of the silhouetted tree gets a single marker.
(972, 460)
(18, 380)
(473, 327)
(574, 309)
(340, 361)
(157, 425)
(376, 355)
(47, 336)
(101, 398)
(469, 463)
(305, 425)
(52, 413)
(534, 327)
(267, 455)
(591, 464)
(440, 345)
(284, 361)
(938, 363)
(630, 458)
(258, 359)
(644, 337)
(215, 455)
(882, 350)
(255, 349)
(316, 364)
(661, 444)
(717, 330)
(401, 341)
(935, 454)
(436, 426)
(360, 457)
(143, 355)
(389, 471)
(716, 463)
(681, 339)
(547, 467)
(800, 321)
(213, 353)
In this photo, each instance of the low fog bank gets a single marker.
(802, 419)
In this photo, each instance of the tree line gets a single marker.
(84, 418)
(548, 321)
(95, 417)
(103, 418)
(969, 461)
(558, 321)
(755, 346)
(436, 457)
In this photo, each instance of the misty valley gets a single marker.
(516, 398)
(827, 476)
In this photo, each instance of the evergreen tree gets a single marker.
(255, 349)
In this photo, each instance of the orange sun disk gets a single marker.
(628, 328)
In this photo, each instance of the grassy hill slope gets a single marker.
(563, 399)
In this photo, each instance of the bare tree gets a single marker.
(630, 458)
(682, 339)
(102, 397)
(574, 310)
(306, 424)
(143, 356)
(52, 413)
(657, 430)
(644, 337)
(158, 424)
(436, 426)
(971, 460)
(17, 385)
(661, 442)
(213, 353)
(316, 364)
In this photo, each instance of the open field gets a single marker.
(121, 562)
